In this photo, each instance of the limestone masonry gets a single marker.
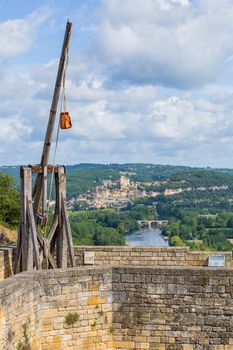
(165, 299)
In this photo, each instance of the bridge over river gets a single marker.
(151, 223)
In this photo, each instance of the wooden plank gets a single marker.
(43, 244)
(32, 227)
(27, 258)
(53, 109)
(52, 116)
(52, 244)
(68, 232)
(17, 264)
(44, 196)
(61, 244)
(59, 237)
(18, 254)
(53, 229)
(30, 253)
(61, 241)
(39, 169)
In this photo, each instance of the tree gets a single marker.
(176, 241)
(9, 201)
(107, 236)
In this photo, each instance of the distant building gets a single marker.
(107, 183)
(124, 182)
(170, 192)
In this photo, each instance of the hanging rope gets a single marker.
(65, 121)
(64, 80)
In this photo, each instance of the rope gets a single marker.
(62, 104)
(64, 79)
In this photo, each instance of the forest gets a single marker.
(201, 216)
(9, 202)
(201, 231)
(107, 226)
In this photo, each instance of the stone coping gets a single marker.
(132, 248)
(118, 247)
(23, 278)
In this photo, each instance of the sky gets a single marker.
(148, 81)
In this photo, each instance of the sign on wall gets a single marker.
(216, 261)
(89, 258)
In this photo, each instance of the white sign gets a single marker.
(89, 258)
(216, 261)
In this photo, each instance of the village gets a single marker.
(118, 194)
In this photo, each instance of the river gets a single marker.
(146, 238)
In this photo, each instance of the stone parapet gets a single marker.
(145, 256)
(172, 308)
(118, 255)
(57, 309)
(121, 307)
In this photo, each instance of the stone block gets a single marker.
(89, 258)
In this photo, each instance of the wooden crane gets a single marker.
(34, 250)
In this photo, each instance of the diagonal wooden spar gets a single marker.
(37, 190)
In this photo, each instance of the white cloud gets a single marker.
(121, 124)
(17, 35)
(131, 119)
(174, 43)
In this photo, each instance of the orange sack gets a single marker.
(65, 121)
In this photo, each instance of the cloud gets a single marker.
(130, 123)
(182, 44)
(18, 35)
(117, 124)
(113, 126)
(119, 108)
(137, 123)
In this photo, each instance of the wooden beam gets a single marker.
(53, 229)
(26, 188)
(18, 254)
(45, 248)
(38, 169)
(52, 116)
(32, 228)
(44, 196)
(61, 240)
(68, 232)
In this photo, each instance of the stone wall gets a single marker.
(19, 321)
(173, 308)
(157, 308)
(59, 309)
(6, 262)
(135, 256)
(144, 256)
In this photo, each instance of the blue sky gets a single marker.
(148, 81)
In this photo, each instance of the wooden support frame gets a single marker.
(34, 251)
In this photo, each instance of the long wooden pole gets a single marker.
(49, 132)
